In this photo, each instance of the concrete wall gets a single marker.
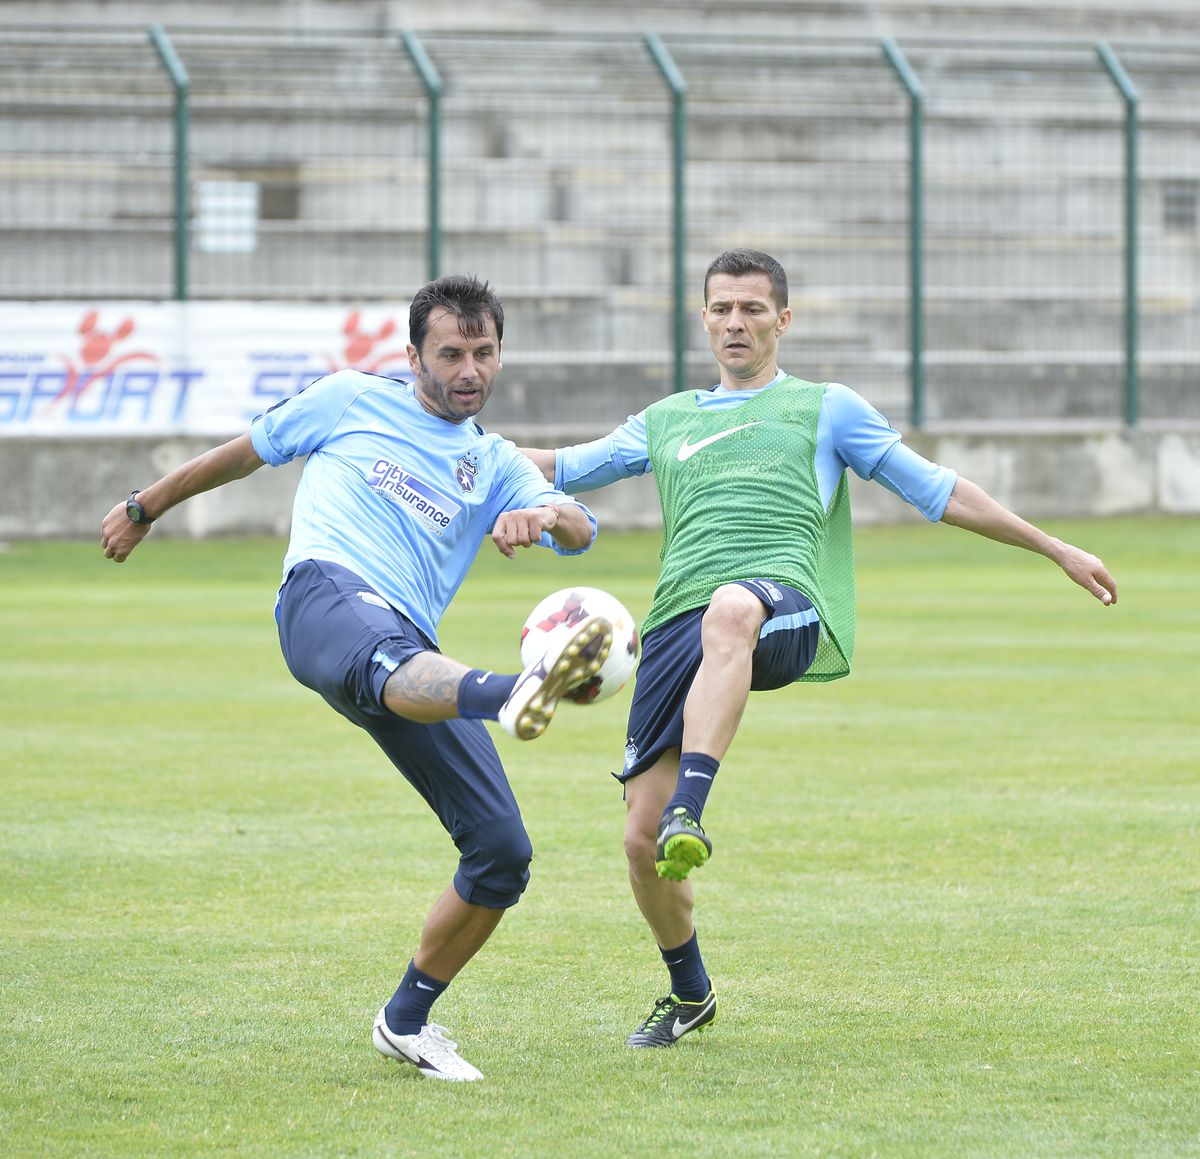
(1109, 18)
(62, 489)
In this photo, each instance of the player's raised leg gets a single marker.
(430, 687)
(571, 657)
(712, 712)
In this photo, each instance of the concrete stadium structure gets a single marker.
(562, 204)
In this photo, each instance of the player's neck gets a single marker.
(754, 382)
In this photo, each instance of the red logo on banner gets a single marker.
(95, 348)
(361, 351)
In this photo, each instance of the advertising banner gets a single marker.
(178, 368)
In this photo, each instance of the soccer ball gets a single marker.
(564, 609)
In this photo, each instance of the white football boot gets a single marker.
(572, 656)
(430, 1051)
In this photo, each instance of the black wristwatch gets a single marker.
(135, 512)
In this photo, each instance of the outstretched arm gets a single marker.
(233, 460)
(971, 507)
(621, 454)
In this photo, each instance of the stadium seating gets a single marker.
(556, 180)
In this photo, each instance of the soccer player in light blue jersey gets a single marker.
(756, 588)
(399, 488)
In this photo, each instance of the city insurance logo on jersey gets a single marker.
(179, 368)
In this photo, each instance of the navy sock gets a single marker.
(697, 772)
(409, 1007)
(481, 694)
(689, 980)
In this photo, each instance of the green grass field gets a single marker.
(953, 908)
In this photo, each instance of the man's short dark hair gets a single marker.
(738, 263)
(471, 301)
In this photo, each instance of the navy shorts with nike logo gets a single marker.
(671, 655)
(343, 640)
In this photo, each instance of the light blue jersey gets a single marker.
(850, 433)
(398, 496)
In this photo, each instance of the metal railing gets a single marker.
(988, 230)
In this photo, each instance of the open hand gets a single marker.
(1088, 571)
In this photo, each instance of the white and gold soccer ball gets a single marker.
(566, 608)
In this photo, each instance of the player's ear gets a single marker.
(785, 320)
(414, 359)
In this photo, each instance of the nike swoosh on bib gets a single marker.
(687, 450)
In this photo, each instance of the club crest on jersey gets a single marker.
(465, 471)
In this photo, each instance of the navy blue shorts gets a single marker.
(342, 640)
(671, 655)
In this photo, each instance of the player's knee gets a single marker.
(733, 615)
(636, 844)
(640, 839)
(493, 869)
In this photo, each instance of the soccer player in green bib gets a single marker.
(756, 589)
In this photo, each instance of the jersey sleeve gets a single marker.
(299, 424)
(620, 455)
(868, 444)
(924, 485)
(860, 435)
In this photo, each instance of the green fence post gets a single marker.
(916, 227)
(678, 86)
(433, 91)
(1130, 95)
(179, 79)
